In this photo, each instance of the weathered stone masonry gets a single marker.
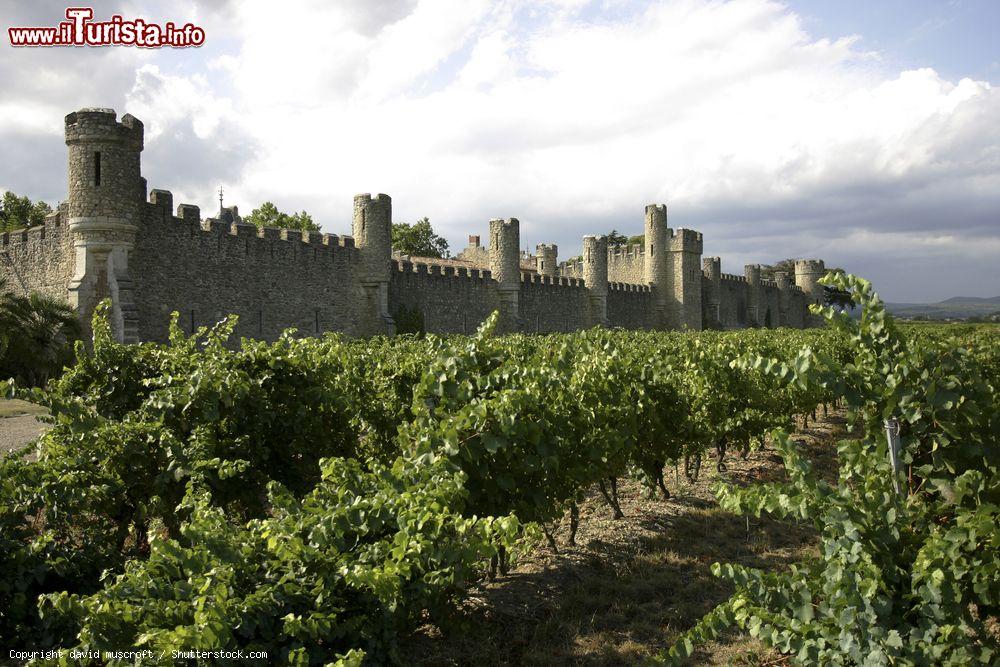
(112, 240)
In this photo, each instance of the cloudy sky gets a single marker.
(865, 133)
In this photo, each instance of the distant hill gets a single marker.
(957, 307)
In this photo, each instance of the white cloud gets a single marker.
(572, 115)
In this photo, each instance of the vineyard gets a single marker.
(320, 498)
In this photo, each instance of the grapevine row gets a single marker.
(315, 498)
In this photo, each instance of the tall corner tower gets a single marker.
(657, 264)
(595, 277)
(106, 192)
(372, 229)
(505, 268)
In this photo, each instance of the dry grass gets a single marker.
(630, 586)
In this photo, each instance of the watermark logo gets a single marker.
(80, 30)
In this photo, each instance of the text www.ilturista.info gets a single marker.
(80, 30)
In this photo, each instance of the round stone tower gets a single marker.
(505, 268)
(106, 193)
(595, 277)
(546, 255)
(784, 297)
(372, 229)
(711, 268)
(657, 261)
(104, 174)
(807, 273)
(754, 314)
(505, 256)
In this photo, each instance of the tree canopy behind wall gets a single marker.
(418, 239)
(17, 212)
(268, 215)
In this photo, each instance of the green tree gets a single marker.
(418, 239)
(36, 336)
(19, 212)
(767, 271)
(268, 215)
(838, 298)
(616, 240)
(638, 239)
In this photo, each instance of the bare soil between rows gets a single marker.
(631, 586)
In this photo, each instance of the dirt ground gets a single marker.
(632, 585)
(18, 424)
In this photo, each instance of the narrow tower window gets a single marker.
(97, 168)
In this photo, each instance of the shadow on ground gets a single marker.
(631, 586)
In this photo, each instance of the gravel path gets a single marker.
(15, 432)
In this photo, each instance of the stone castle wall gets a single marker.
(273, 279)
(553, 304)
(111, 241)
(448, 299)
(630, 306)
(40, 259)
(625, 265)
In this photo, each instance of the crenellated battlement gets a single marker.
(711, 267)
(810, 266)
(100, 125)
(53, 225)
(627, 287)
(686, 240)
(366, 198)
(449, 281)
(731, 278)
(534, 280)
(627, 251)
(236, 239)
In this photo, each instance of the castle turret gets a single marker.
(505, 267)
(372, 228)
(711, 268)
(106, 192)
(595, 277)
(754, 315)
(657, 263)
(807, 274)
(546, 263)
(784, 298)
(686, 247)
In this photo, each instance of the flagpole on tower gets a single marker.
(220, 200)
